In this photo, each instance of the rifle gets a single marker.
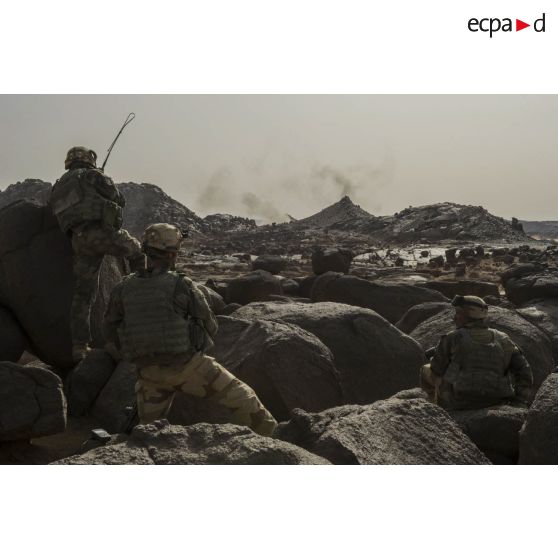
(126, 122)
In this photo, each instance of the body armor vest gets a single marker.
(478, 372)
(75, 200)
(151, 324)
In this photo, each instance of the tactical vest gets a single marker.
(478, 372)
(75, 200)
(151, 325)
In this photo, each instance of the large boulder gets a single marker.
(258, 285)
(32, 402)
(213, 299)
(419, 313)
(160, 443)
(535, 344)
(452, 288)
(530, 281)
(36, 281)
(390, 432)
(117, 395)
(374, 358)
(85, 382)
(13, 341)
(544, 315)
(391, 300)
(331, 259)
(287, 366)
(538, 439)
(270, 263)
(494, 430)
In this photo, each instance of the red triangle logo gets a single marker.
(519, 25)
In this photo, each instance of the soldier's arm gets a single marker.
(522, 373)
(190, 300)
(442, 356)
(114, 315)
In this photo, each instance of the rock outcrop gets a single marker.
(374, 358)
(160, 443)
(391, 432)
(32, 402)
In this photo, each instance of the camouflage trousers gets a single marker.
(89, 247)
(202, 376)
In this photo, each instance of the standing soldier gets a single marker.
(475, 366)
(159, 320)
(88, 207)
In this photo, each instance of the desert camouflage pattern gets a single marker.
(163, 236)
(202, 376)
(89, 245)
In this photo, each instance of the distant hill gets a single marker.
(541, 229)
(339, 213)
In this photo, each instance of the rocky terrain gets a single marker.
(543, 230)
(326, 318)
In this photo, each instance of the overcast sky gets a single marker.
(265, 156)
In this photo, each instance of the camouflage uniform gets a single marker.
(88, 207)
(475, 366)
(183, 366)
(90, 243)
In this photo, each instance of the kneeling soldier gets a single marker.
(159, 320)
(475, 366)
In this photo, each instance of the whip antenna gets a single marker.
(129, 118)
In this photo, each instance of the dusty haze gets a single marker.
(268, 156)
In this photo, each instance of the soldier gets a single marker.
(88, 207)
(159, 320)
(475, 366)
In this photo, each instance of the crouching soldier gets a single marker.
(159, 320)
(475, 366)
(88, 207)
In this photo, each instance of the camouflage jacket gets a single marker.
(188, 301)
(518, 366)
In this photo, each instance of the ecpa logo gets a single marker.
(493, 25)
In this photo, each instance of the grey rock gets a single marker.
(118, 394)
(419, 313)
(331, 259)
(258, 285)
(12, 338)
(452, 288)
(201, 444)
(32, 402)
(270, 263)
(214, 299)
(494, 430)
(389, 299)
(531, 281)
(85, 382)
(395, 431)
(374, 358)
(544, 315)
(538, 439)
(287, 366)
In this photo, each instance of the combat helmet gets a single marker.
(474, 307)
(162, 237)
(82, 155)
